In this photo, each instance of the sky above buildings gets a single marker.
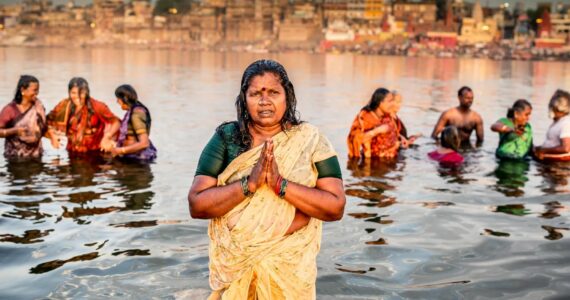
(494, 3)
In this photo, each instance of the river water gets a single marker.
(99, 229)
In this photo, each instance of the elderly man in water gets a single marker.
(463, 117)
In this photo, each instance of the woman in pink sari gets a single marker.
(23, 121)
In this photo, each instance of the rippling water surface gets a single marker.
(94, 228)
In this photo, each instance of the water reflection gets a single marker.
(374, 178)
(513, 209)
(495, 233)
(555, 177)
(511, 177)
(29, 237)
(54, 264)
(553, 209)
(135, 179)
(22, 171)
(554, 233)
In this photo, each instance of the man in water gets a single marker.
(462, 117)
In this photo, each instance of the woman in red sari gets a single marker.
(374, 132)
(88, 123)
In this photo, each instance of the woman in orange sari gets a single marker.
(88, 124)
(374, 132)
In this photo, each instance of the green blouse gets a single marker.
(221, 150)
(139, 123)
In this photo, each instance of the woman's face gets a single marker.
(397, 103)
(387, 106)
(123, 105)
(265, 99)
(78, 97)
(31, 92)
(522, 117)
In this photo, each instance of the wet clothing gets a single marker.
(136, 121)
(221, 150)
(251, 256)
(557, 131)
(83, 127)
(383, 145)
(451, 158)
(403, 130)
(34, 119)
(512, 145)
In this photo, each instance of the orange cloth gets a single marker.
(383, 145)
(83, 127)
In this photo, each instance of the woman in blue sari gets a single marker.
(133, 142)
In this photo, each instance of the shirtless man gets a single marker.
(462, 117)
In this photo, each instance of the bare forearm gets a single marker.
(376, 131)
(6, 132)
(314, 202)
(554, 150)
(215, 201)
(133, 148)
(112, 129)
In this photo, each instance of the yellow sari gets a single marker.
(250, 255)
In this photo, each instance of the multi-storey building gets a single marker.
(421, 12)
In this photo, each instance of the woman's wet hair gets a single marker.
(23, 83)
(128, 95)
(259, 68)
(378, 97)
(81, 84)
(560, 102)
(450, 138)
(519, 106)
(463, 89)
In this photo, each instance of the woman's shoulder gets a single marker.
(565, 121)
(63, 101)
(140, 110)
(307, 127)
(10, 106)
(96, 102)
(505, 121)
(10, 109)
(228, 129)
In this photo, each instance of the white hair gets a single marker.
(560, 102)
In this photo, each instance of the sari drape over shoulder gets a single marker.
(149, 153)
(250, 255)
(382, 145)
(30, 144)
(83, 127)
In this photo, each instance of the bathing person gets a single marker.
(447, 153)
(374, 131)
(23, 121)
(266, 182)
(557, 143)
(88, 123)
(462, 117)
(133, 142)
(515, 133)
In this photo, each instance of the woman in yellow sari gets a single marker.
(266, 181)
